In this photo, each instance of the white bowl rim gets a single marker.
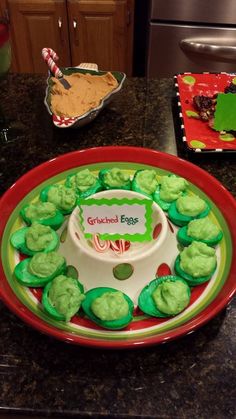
(125, 259)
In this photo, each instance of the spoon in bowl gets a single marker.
(50, 57)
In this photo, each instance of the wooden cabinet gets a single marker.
(2, 7)
(4, 15)
(100, 32)
(36, 24)
(97, 31)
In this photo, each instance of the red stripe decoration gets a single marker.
(120, 246)
(100, 245)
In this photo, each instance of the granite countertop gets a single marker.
(191, 377)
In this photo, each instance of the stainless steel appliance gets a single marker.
(191, 35)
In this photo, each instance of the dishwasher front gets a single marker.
(186, 36)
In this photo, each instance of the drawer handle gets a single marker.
(60, 28)
(211, 47)
(76, 30)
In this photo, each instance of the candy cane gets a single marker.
(49, 56)
(120, 246)
(100, 246)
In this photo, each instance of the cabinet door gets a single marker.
(36, 24)
(101, 32)
(2, 8)
(4, 15)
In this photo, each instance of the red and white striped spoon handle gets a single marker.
(50, 57)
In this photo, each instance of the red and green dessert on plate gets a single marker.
(112, 272)
(207, 107)
(206, 299)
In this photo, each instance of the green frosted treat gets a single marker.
(110, 306)
(85, 183)
(44, 264)
(38, 237)
(164, 296)
(190, 205)
(198, 259)
(186, 208)
(171, 297)
(145, 182)
(62, 197)
(40, 269)
(202, 229)
(40, 210)
(44, 213)
(62, 297)
(83, 180)
(171, 187)
(114, 179)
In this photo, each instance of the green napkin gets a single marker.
(225, 114)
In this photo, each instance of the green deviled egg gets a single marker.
(196, 263)
(34, 239)
(202, 229)
(85, 183)
(62, 197)
(62, 297)
(40, 269)
(44, 213)
(108, 307)
(114, 179)
(170, 188)
(165, 296)
(186, 208)
(145, 182)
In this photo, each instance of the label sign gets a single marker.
(130, 219)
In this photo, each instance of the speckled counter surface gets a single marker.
(194, 376)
